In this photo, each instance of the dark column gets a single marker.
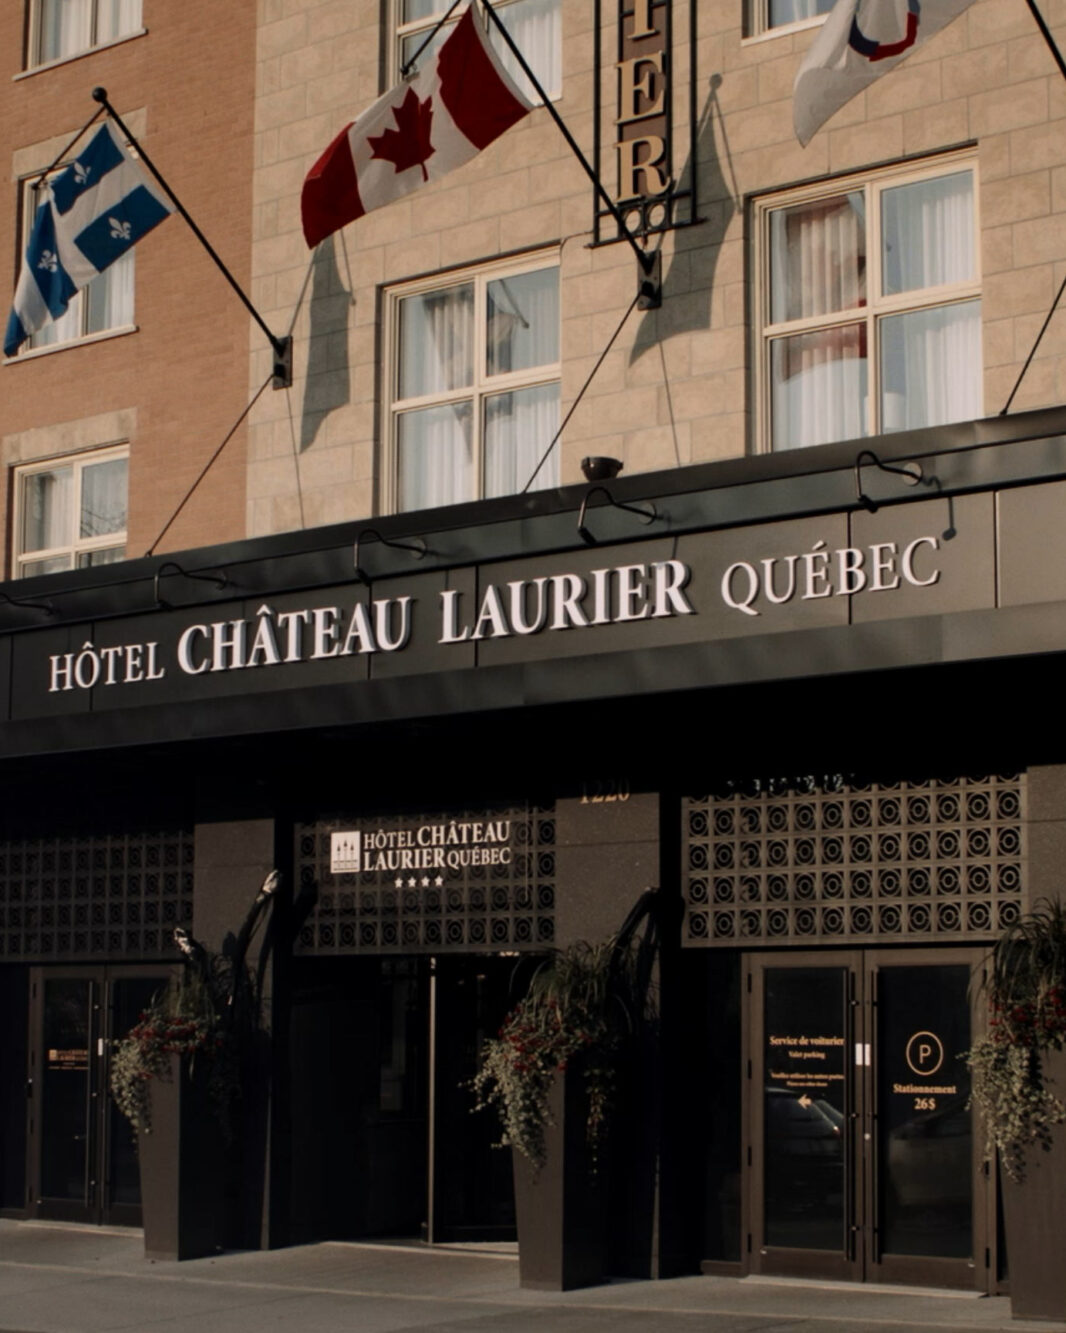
(233, 857)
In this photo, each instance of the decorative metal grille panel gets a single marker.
(105, 896)
(459, 909)
(832, 859)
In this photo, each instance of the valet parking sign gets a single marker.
(422, 856)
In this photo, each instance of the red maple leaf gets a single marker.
(408, 145)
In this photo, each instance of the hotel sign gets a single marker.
(537, 604)
(645, 86)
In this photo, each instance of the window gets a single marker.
(535, 25)
(772, 14)
(105, 303)
(71, 513)
(870, 306)
(62, 28)
(474, 385)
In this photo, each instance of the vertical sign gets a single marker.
(643, 117)
(639, 99)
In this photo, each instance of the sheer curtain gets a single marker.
(535, 25)
(435, 445)
(116, 18)
(818, 267)
(791, 11)
(930, 359)
(522, 329)
(66, 28)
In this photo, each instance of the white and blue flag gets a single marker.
(102, 204)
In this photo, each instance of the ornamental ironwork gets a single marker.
(456, 882)
(95, 898)
(837, 858)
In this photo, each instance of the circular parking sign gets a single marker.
(925, 1053)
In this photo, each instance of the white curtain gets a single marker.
(791, 11)
(66, 28)
(818, 267)
(931, 367)
(819, 387)
(435, 445)
(818, 258)
(116, 18)
(435, 456)
(103, 498)
(927, 233)
(519, 427)
(535, 25)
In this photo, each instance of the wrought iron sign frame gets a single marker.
(649, 215)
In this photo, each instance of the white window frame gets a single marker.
(78, 309)
(759, 27)
(77, 545)
(35, 35)
(483, 385)
(402, 31)
(876, 306)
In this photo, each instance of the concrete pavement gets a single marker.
(62, 1279)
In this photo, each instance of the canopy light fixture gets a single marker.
(172, 566)
(910, 472)
(646, 512)
(417, 546)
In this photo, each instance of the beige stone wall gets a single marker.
(678, 386)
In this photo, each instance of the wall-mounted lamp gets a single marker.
(910, 472)
(418, 547)
(601, 468)
(172, 566)
(646, 512)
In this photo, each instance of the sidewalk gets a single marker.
(60, 1279)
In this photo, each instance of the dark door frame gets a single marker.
(96, 1206)
(860, 1258)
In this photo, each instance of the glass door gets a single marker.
(83, 1163)
(862, 1159)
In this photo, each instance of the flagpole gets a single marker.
(1046, 34)
(65, 150)
(408, 65)
(282, 373)
(650, 288)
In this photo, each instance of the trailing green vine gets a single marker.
(581, 1008)
(1026, 990)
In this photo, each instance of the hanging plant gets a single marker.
(207, 1014)
(181, 1019)
(581, 1009)
(1026, 992)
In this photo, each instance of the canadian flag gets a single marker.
(433, 122)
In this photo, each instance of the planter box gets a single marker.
(1034, 1216)
(562, 1212)
(182, 1164)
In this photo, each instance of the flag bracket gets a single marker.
(649, 289)
(281, 375)
(650, 282)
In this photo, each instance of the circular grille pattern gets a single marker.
(95, 898)
(837, 858)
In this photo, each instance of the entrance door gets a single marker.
(384, 1139)
(862, 1160)
(82, 1155)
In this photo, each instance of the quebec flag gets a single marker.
(100, 206)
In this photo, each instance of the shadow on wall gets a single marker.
(717, 202)
(328, 373)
